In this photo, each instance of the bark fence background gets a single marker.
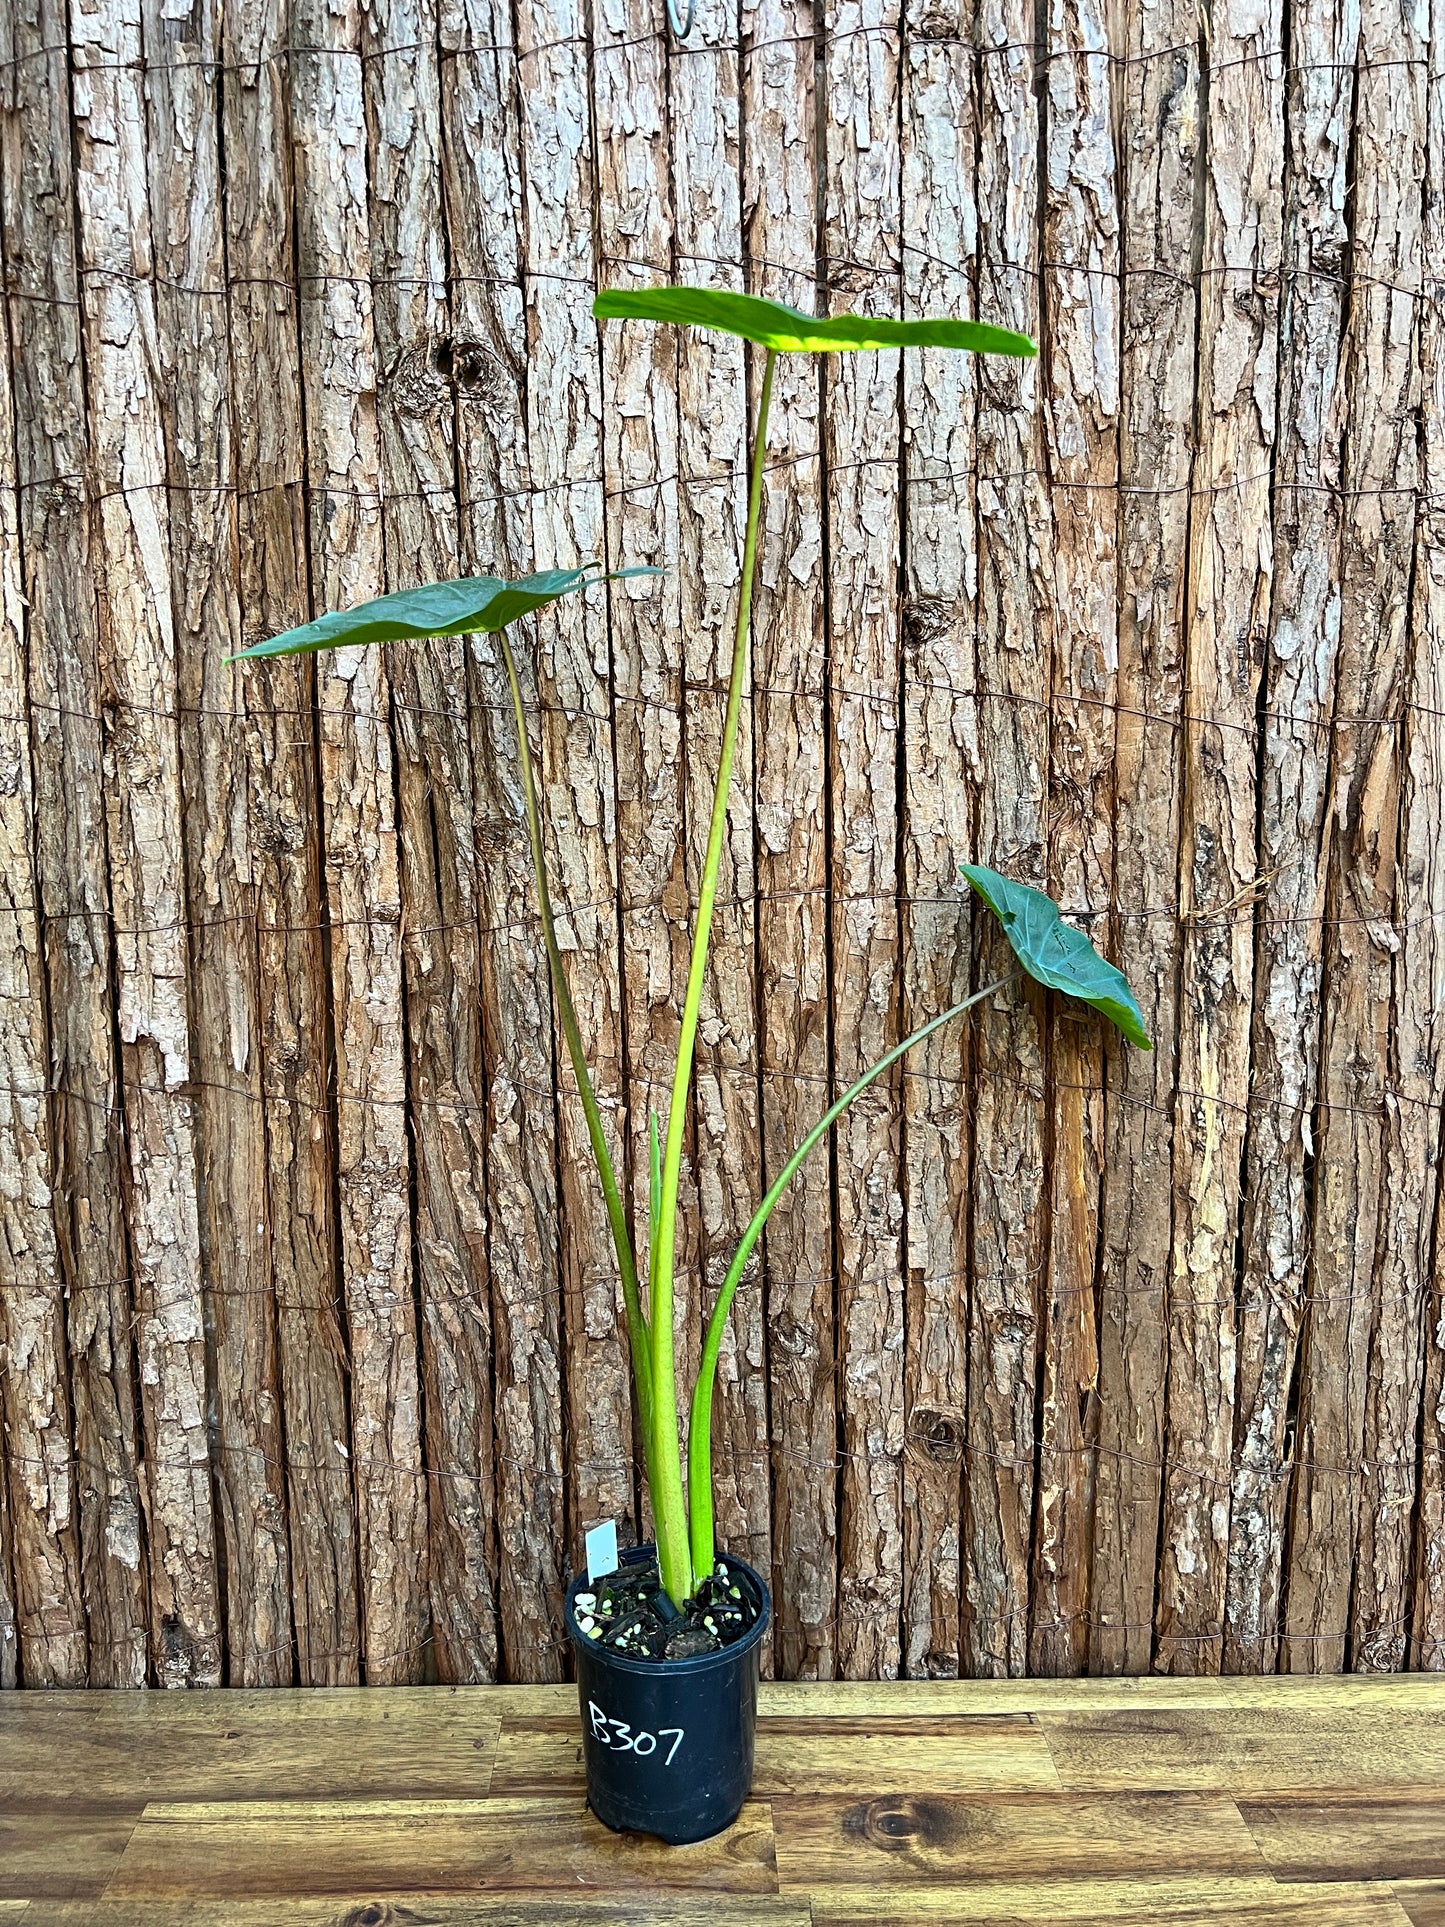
(1072, 1357)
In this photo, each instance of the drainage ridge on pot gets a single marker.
(669, 1743)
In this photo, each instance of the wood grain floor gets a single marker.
(1296, 1803)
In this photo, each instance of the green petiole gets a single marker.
(699, 1438)
(674, 1558)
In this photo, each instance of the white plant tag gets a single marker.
(601, 1551)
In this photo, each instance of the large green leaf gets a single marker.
(436, 609)
(772, 325)
(1055, 953)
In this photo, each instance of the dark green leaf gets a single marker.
(1057, 954)
(772, 325)
(437, 609)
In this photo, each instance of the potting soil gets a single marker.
(630, 1613)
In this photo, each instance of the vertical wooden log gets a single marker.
(640, 466)
(940, 761)
(779, 198)
(860, 163)
(1422, 892)
(362, 883)
(1230, 571)
(416, 364)
(181, 47)
(71, 878)
(1081, 317)
(9, 1644)
(43, 1529)
(1339, 1409)
(1381, 479)
(564, 433)
(144, 823)
(712, 431)
(482, 152)
(1009, 1233)
(1159, 100)
(1304, 635)
(279, 727)
(1420, 1019)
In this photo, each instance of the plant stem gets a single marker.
(699, 1438)
(674, 1558)
(626, 1264)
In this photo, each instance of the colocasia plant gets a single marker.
(1043, 945)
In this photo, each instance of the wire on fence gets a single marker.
(1250, 274)
(1041, 54)
(1266, 720)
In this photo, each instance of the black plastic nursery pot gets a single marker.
(669, 1743)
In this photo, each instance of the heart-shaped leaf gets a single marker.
(476, 602)
(789, 331)
(1057, 954)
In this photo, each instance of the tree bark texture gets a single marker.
(60, 564)
(1010, 1103)
(188, 217)
(363, 913)
(42, 1529)
(861, 165)
(940, 730)
(1160, 87)
(1301, 655)
(481, 149)
(279, 725)
(1423, 881)
(1230, 570)
(781, 242)
(141, 774)
(1081, 321)
(1060, 1356)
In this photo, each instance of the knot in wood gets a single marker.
(937, 20)
(925, 619)
(474, 371)
(414, 382)
(939, 1431)
(496, 835)
(876, 1595)
(1257, 302)
(58, 497)
(794, 1339)
(474, 368)
(899, 1822)
(1328, 258)
(847, 277)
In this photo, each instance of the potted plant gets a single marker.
(667, 1643)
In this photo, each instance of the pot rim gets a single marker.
(659, 1669)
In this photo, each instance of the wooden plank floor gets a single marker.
(1312, 1803)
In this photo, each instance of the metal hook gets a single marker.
(684, 27)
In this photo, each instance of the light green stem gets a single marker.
(666, 1469)
(626, 1264)
(654, 1197)
(699, 1438)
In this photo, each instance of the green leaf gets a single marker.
(1055, 953)
(789, 331)
(476, 602)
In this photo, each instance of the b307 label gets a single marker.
(619, 1736)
